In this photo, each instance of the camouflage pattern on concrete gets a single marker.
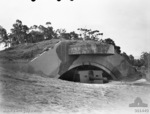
(90, 47)
(66, 55)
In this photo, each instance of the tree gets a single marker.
(118, 49)
(88, 34)
(35, 36)
(144, 58)
(48, 23)
(74, 36)
(131, 59)
(125, 56)
(110, 41)
(84, 33)
(3, 36)
(48, 31)
(19, 33)
(94, 34)
(40, 33)
(62, 34)
(136, 62)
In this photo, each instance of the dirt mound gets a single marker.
(26, 51)
(32, 93)
(27, 92)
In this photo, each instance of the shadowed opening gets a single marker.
(86, 74)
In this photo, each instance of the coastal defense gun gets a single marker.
(68, 58)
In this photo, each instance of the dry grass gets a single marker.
(26, 51)
(30, 92)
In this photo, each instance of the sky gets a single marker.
(127, 22)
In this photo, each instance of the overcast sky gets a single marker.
(127, 22)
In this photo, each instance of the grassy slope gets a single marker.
(29, 92)
(29, 51)
(26, 51)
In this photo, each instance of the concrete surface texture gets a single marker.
(66, 55)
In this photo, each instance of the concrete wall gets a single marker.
(47, 63)
(57, 61)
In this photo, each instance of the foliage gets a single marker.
(62, 33)
(144, 58)
(48, 31)
(110, 41)
(18, 33)
(142, 61)
(22, 34)
(88, 34)
(3, 36)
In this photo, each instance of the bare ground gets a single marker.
(24, 93)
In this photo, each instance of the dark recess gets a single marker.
(72, 75)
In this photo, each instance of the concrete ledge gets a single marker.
(91, 48)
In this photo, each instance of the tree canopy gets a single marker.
(21, 33)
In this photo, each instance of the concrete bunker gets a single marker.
(87, 74)
(69, 58)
